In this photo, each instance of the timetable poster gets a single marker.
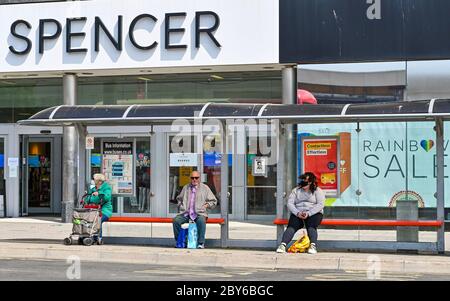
(117, 166)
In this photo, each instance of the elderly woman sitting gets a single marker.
(100, 194)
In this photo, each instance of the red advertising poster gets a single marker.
(320, 156)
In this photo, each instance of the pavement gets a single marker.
(41, 238)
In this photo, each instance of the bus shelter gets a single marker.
(221, 119)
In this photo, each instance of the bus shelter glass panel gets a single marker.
(398, 178)
(261, 189)
(2, 179)
(447, 170)
(96, 158)
(96, 161)
(330, 151)
(261, 162)
(420, 202)
(382, 175)
(140, 203)
(231, 167)
(385, 171)
(183, 160)
(212, 168)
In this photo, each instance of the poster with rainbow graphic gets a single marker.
(384, 163)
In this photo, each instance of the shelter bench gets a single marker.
(166, 220)
(375, 244)
(372, 222)
(163, 241)
(346, 245)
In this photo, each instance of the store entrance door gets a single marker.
(41, 175)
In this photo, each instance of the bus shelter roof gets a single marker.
(424, 110)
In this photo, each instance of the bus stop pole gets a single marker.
(440, 202)
(224, 187)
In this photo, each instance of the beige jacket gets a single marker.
(203, 195)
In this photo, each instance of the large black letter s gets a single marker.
(15, 34)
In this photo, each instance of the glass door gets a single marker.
(38, 176)
(140, 202)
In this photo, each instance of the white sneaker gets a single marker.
(312, 249)
(281, 248)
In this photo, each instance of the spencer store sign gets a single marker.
(116, 41)
(104, 34)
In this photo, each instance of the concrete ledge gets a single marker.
(377, 245)
(215, 243)
(230, 258)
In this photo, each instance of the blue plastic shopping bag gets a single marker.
(182, 236)
(192, 235)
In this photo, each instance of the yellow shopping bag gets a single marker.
(301, 245)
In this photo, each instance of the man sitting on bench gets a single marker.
(193, 202)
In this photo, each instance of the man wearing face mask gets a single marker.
(305, 203)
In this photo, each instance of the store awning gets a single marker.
(165, 114)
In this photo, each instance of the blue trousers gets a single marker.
(104, 219)
(201, 226)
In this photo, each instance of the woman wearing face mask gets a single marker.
(306, 204)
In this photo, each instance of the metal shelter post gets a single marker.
(288, 149)
(70, 152)
(280, 182)
(82, 160)
(224, 187)
(440, 200)
(289, 78)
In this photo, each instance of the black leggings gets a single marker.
(296, 223)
